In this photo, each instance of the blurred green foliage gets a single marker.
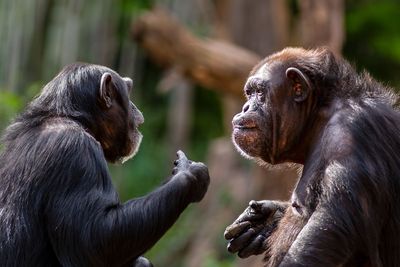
(10, 104)
(372, 42)
(373, 37)
(207, 121)
(149, 167)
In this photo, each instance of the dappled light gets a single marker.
(194, 65)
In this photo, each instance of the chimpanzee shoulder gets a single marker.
(312, 107)
(58, 206)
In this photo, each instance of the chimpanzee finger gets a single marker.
(235, 229)
(240, 242)
(254, 248)
(261, 207)
(182, 160)
(256, 206)
(249, 215)
(181, 155)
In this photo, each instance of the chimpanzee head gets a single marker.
(98, 98)
(281, 96)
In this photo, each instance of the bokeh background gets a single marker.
(189, 60)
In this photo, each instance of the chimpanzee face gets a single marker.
(122, 118)
(135, 118)
(276, 110)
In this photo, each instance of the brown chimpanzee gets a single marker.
(311, 107)
(58, 206)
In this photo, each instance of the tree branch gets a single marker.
(210, 63)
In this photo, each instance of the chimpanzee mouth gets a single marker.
(244, 131)
(244, 128)
(241, 123)
(136, 141)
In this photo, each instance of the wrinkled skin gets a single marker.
(311, 107)
(265, 130)
(58, 205)
(248, 233)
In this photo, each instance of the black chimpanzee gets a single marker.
(311, 107)
(58, 206)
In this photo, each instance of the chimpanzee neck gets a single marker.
(313, 131)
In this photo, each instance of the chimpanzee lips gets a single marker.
(245, 127)
(244, 124)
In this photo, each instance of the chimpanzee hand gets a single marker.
(142, 262)
(193, 173)
(249, 232)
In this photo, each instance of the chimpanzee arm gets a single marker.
(87, 224)
(144, 220)
(333, 232)
(324, 241)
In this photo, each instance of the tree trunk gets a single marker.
(322, 23)
(210, 63)
(259, 26)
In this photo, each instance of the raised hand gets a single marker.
(142, 262)
(193, 173)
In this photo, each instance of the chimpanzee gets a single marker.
(58, 206)
(311, 107)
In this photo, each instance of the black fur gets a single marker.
(344, 209)
(58, 206)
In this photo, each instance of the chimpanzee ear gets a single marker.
(301, 85)
(106, 87)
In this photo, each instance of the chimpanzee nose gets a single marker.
(236, 117)
(245, 108)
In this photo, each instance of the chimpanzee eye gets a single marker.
(247, 92)
(260, 94)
